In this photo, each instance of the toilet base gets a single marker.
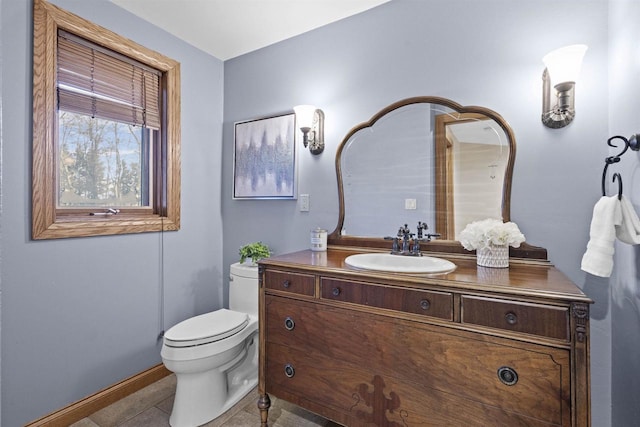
(192, 391)
(203, 396)
(192, 412)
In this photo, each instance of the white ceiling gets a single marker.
(229, 28)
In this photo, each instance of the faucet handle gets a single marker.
(430, 235)
(395, 247)
(421, 226)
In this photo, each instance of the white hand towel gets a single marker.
(598, 259)
(629, 230)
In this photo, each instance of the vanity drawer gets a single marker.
(415, 301)
(535, 319)
(303, 284)
(357, 397)
(439, 376)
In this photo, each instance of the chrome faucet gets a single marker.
(406, 235)
(410, 242)
(401, 235)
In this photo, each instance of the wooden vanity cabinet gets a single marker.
(475, 347)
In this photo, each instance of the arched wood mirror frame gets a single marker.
(441, 183)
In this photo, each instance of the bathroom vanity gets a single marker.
(477, 346)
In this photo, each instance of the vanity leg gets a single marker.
(263, 404)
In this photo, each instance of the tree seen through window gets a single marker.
(100, 162)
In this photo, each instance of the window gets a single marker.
(106, 131)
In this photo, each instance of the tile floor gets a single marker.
(151, 407)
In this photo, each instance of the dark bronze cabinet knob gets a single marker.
(289, 324)
(508, 375)
(511, 318)
(425, 304)
(289, 371)
(336, 292)
(286, 284)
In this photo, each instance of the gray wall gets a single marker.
(624, 105)
(476, 53)
(79, 315)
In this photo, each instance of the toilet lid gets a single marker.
(206, 328)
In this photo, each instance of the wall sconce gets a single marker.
(562, 70)
(311, 123)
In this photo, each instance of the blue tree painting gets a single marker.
(265, 158)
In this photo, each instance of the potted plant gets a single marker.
(254, 251)
(491, 239)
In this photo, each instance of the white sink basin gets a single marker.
(400, 263)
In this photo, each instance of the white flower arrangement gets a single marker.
(481, 234)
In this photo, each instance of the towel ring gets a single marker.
(607, 162)
(617, 175)
(632, 143)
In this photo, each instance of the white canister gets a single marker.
(319, 240)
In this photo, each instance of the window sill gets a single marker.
(66, 226)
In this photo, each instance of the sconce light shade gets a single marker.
(310, 120)
(304, 115)
(563, 65)
(559, 79)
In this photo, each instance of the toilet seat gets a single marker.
(206, 328)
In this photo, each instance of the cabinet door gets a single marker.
(338, 356)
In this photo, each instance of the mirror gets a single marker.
(423, 159)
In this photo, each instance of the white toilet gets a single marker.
(215, 355)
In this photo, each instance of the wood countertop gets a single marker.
(523, 277)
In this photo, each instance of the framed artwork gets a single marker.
(264, 158)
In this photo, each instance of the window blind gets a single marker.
(98, 82)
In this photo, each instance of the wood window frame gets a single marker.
(47, 221)
(444, 171)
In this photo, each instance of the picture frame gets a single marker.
(265, 158)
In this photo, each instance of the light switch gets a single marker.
(304, 203)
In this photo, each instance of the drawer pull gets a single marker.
(289, 324)
(336, 292)
(425, 304)
(508, 375)
(511, 318)
(289, 371)
(286, 284)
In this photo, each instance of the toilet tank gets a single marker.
(243, 289)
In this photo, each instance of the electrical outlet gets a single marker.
(304, 203)
(410, 204)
